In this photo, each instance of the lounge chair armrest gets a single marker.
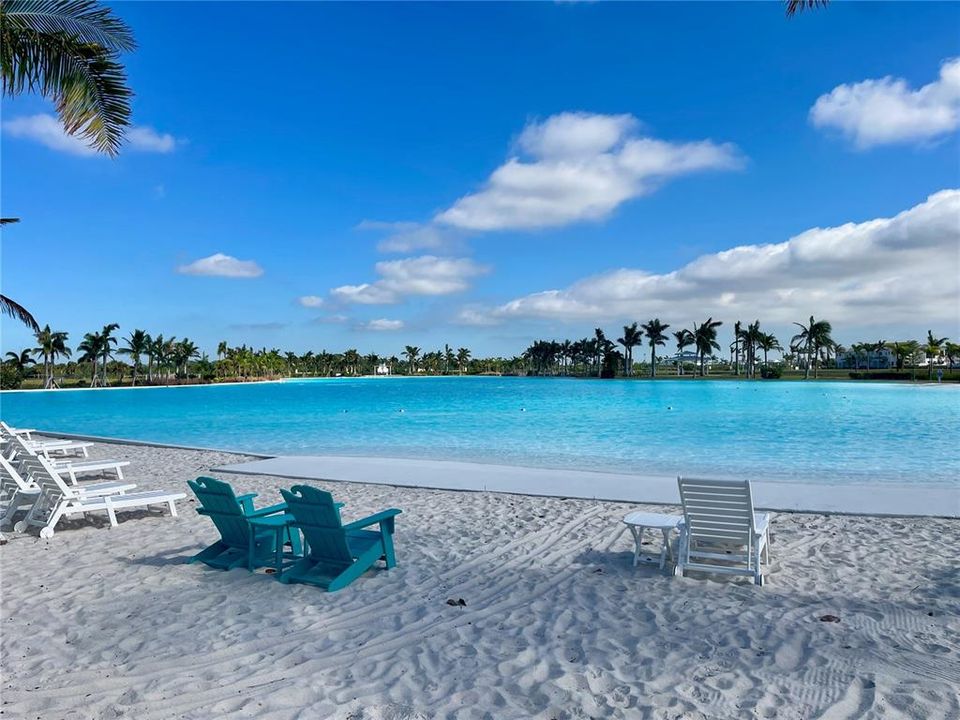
(246, 502)
(272, 510)
(384, 517)
(761, 522)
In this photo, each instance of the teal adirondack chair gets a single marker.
(337, 554)
(229, 513)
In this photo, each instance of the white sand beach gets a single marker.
(108, 623)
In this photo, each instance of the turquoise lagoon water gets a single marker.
(822, 432)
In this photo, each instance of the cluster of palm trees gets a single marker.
(437, 362)
(599, 356)
(165, 357)
(907, 353)
(156, 359)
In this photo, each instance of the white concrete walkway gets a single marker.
(447, 475)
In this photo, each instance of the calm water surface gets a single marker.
(826, 432)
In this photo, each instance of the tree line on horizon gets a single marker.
(161, 360)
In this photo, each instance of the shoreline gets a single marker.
(660, 378)
(855, 498)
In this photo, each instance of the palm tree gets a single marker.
(135, 347)
(155, 354)
(812, 338)
(69, 52)
(448, 358)
(656, 335)
(684, 339)
(20, 361)
(463, 357)
(794, 7)
(735, 346)
(9, 306)
(90, 347)
(50, 345)
(932, 349)
(705, 340)
(182, 353)
(411, 352)
(631, 338)
(952, 351)
(768, 342)
(600, 343)
(750, 339)
(106, 352)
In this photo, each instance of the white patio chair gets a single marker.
(73, 468)
(721, 533)
(57, 499)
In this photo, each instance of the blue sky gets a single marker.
(487, 174)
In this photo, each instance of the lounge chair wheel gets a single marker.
(46, 533)
(20, 527)
(758, 580)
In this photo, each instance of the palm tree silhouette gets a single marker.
(656, 335)
(932, 349)
(411, 352)
(51, 345)
(631, 338)
(20, 361)
(705, 340)
(136, 346)
(684, 339)
(812, 338)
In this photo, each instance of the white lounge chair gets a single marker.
(57, 499)
(44, 447)
(19, 490)
(721, 533)
(73, 468)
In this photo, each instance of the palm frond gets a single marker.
(83, 77)
(18, 311)
(84, 20)
(9, 221)
(793, 7)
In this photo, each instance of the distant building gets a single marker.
(882, 359)
(383, 369)
(688, 357)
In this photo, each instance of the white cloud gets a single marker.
(311, 301)
(146, 139)
(220, 265)
(364, 294)
(424, 275)
(384, 325)
(47, 130)
(579, 166)
(887, 110)
(404, 237)
(878, 272)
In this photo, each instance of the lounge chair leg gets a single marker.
(112, 515)
(173, 508)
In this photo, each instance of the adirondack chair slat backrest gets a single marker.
(318, 517)
(220, 504)
(719, 511)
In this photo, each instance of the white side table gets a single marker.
(666, 524)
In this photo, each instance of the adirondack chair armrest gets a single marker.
(272, 510)
(246, 502)
(384, 517)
